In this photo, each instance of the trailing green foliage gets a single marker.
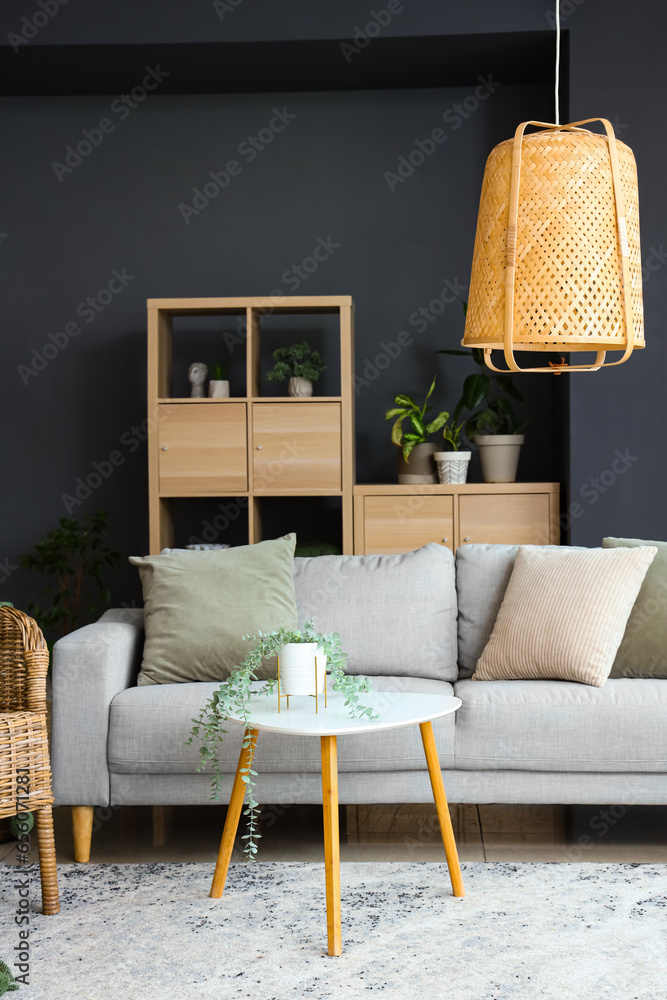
(7, 981)
(297, 361)
(480, 389)
(232, 700)
(72, 559)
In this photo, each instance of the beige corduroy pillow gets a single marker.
(564, 614)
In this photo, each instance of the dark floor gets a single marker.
(377, 833)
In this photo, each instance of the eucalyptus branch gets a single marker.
(232, 700)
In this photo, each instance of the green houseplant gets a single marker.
(7, 981)
(493, 425)
(218, 386)
(300, 365)
(452, 462)
(232, 698)
(415, 442)
(72, 558)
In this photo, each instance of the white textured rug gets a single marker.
(533, 931)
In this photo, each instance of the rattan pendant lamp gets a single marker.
(556, 263)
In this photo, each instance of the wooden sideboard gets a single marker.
(390, 519)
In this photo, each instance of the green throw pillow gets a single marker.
(199, 605)
(643, 649)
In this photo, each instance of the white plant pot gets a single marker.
(297, 668)
(452, 466)
(499, 455)
(218, 389)
(299, 386)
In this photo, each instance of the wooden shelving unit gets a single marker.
(251, 446)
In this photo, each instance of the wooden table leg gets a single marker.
(233, 815)
(331, 842)
(435, 774)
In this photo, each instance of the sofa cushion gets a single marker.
(199, 605)
(564, 614)
(643, 651)
(549, 725)
(149, 726)
(482, 575)
(396, 614)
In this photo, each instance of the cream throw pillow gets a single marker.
(564, 614)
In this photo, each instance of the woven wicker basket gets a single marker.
(556, 264)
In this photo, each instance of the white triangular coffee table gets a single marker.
(300, 719)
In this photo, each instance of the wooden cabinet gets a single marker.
(390, 518)
(296, 447)
(505, 518)
(400, 524)
(202, 450)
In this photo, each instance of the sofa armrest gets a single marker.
(90, 667)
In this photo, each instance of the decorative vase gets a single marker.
(299, 386)
(218, 389)
(499, 455)
(452, 466)
(300, 662)
(421, 467)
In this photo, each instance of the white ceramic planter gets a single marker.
(218, 389)
(452, 466)
(499, 455)
(297, 668)
(299, 386)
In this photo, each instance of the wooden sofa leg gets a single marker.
(82, 828)
(162, 816)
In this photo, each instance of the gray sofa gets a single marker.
(413, 622)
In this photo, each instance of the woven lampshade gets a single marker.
(556, 265)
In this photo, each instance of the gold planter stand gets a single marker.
(315, 696)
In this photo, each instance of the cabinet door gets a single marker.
(504, 519)
(403, 523)
(296, 447)
(203, 449)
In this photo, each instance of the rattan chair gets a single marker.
(25, 770)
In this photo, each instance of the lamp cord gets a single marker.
(556, 101)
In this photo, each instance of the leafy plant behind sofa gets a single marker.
(71, 559)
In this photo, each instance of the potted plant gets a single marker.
(218, 386)
(452, 462)
(72, 559)
(300, 662)
(298, 363)
(414, 444)
(494, 428)
(232, 698)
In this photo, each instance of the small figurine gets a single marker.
(197, 373)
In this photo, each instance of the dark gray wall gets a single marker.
(617, 71)
(322, 177)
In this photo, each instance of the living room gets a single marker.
(333, 642)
